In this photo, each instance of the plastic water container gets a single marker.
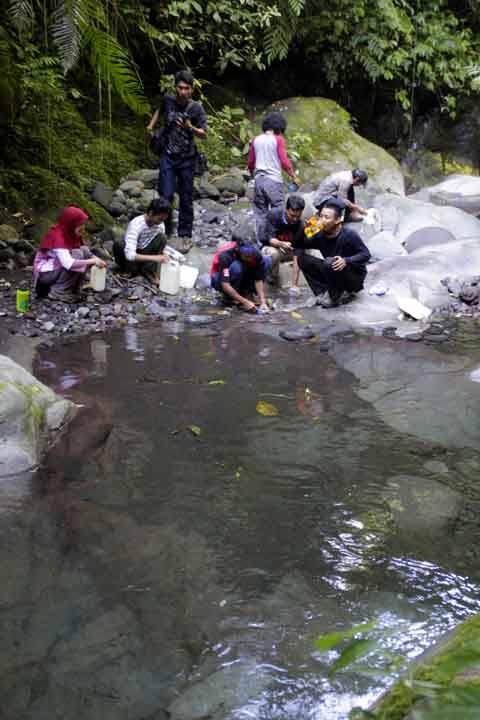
(188, 276)
(98, 277)
(170, 277)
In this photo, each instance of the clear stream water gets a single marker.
(204, 540)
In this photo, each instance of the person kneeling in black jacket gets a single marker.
(341, 273)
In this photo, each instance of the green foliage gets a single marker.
(77, 26)
(41, 190)
(410, 45)
(282, 28)
(229, 132)
(300, 147)
(447, 685)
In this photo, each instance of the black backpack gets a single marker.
(157, 141)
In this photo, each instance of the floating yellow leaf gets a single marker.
(195, 430)
(216, 382)
(238, 473)
(296, 316)
(266, 409)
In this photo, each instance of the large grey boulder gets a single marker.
(411, 219)
(419, 246)
(460, 191)
(29, 414)
(335, 145)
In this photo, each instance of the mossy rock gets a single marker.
(335, 145)
(29, 413)
(453, 665)
(48, 193)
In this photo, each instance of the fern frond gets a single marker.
(65, 35)
(278, 38)
(296, 6)
(115, 66)
(21, 14)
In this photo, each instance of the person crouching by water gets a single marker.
(341, 273)
(141, 250)
(342, 185)
(62, 259)
(283, 227)
(239, 271)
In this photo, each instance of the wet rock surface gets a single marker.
(29, 414)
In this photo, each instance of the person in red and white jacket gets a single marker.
(266, 160)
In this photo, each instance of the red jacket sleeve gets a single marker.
(283, 157)
(251, 157)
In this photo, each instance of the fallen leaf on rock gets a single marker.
(296, 315)
(216, 382)
(238, 473)
(266, 409)
(195, 430)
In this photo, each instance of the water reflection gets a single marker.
(174, 560)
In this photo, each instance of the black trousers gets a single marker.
(322, 278)
(155, 247)
(177, 176)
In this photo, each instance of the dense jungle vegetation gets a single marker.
(79, 77)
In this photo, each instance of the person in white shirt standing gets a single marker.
(141, 250)
(266, 160)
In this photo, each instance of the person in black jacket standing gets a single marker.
(341, 273)
(184, 121)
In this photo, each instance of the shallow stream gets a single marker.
(190, 562)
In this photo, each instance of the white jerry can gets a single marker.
(98, 278)
(169, 277)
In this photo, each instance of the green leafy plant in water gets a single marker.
(445, 687)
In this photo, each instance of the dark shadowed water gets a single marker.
(206, 545)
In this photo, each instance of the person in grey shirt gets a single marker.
(341, 185)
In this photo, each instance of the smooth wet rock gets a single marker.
(436, 466)
(24, 407)
(83, 311)
(48, 326)
(434, 338)
(414, 337)
(201, 319)
(421, 505)
(460, 191)
(297, 334)
(161, 312)
(215, 697)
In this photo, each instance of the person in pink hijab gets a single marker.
(61, 261)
